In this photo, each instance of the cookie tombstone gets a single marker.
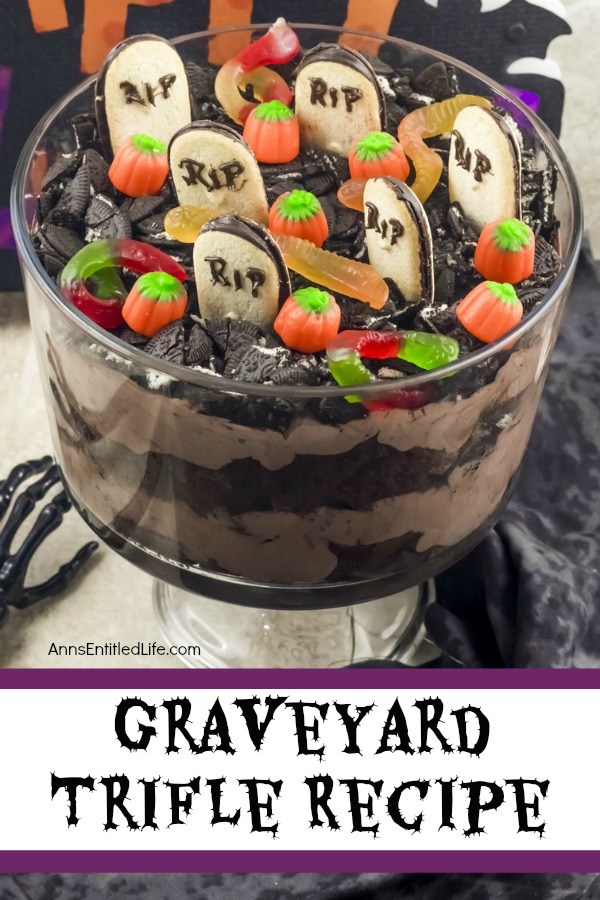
(398, 237)
(213, 167)
(240, 272)
(337, 98)
(484, 167)
(142, 88)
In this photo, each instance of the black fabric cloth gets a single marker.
(528, 595)
(299, 887)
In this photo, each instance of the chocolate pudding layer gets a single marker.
(305, 503)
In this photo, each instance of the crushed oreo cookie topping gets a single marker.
(213, 170)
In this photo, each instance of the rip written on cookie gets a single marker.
(227, 175)
(219, 267)
(392, 229)
(463, 158)
(321, 93)
(337, 98)
(163, 89)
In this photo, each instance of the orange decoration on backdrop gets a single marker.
(364, 15)
(225, 13)
(48, 15)
(104, 24)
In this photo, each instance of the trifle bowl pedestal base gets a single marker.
(215, 635)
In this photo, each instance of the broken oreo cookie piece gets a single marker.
(73, 201)
(100, 209)
(198, 346)
(104, 219)
(132, 337)
(84, 131)
(169, 343)
(142, 207)
(251, 363)
(98, 171)
(62, 242)
(63, 168)
(439, 80)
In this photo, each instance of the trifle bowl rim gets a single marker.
(221, 384)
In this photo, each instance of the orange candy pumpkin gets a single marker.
(376, 154)
(505, 251)
(299, 214)
(490, 311)
(155, 300)
(140, 166)
(308, 320)
(273, 133)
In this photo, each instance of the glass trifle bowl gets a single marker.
(284, 525)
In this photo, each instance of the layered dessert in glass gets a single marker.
(289, 440)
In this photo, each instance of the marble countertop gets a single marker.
(580, 136)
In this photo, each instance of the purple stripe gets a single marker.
(7, 238)
(5, 76)
(527, 97)
(282, 679)
(302, 861)
(7, 241)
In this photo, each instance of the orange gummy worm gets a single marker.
(344, 276)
